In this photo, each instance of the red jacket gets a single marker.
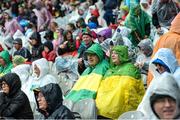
(49, 56)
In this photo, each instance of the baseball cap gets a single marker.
(17, 41)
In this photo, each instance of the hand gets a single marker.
(62, 46)
(139, 65)
(158, 29)
(145, 37)
(80, 60)
(65, 42)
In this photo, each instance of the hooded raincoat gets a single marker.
(122, 89)
(7, 68)
(139, 24)
(89, 81)
(15, 104)
(39, 81)
(165, 85)
(67, 71)
(167, 57)
(24, 72)
(164, 13)
(53, 96)
(170, 40)
(45, 77)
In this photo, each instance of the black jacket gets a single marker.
(24, 52)
(37, 52)
(15, 104)
(53, 95)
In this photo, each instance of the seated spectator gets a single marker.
(139, 22)
(124, 12)
(68, 44)
(164, 100)
(49, 35)
(11, 25)
(122, 89)
(88, 83)
(14, 103)
(169, 40)
(104, 34)
(146, 6)
(40, 77)
(163, 13)
(163, 61)
(20, 50)
(49, 101)
(5, 63)
(71, 27)
(58, 39)
(87, 41)
(48, 52)
(37, 47)
(67, 71)
(143, 59)
(8, 44)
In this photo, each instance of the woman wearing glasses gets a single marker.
(14, 103)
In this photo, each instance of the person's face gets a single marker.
(78, 24)
(21, 10)
(80, 12)
(144, 5)
(115, 58)
(68, 27)
(17, 46)
(33, 42)
(165, 108)
(138, 11)
(46, 49)
(42, 102)
(2, 62)
(160, 68)
(93, 59)
(6, 16)
(5, 87)
(36, 70)
(68, 36)
(145, 51)
(59, 34)
(101, 39)
(87, 39)
(53, 27)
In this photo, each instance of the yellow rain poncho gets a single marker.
(121, 89)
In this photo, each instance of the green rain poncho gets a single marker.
(137, 23)
(8, 64)
(89, 81)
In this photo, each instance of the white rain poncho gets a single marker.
(39, 81)
(165, 85)
(166, 55)
(24, 72)
(67, 70)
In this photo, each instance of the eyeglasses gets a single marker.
(4, 84)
